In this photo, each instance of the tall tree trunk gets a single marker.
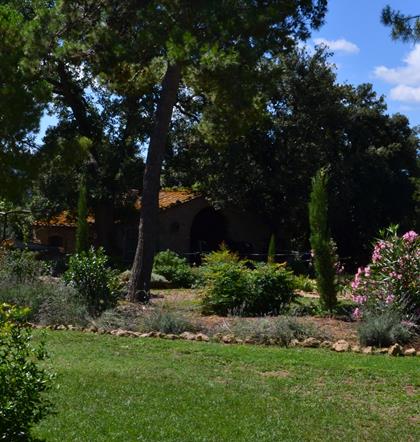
(139, 286)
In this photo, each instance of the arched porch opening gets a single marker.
(208, 230)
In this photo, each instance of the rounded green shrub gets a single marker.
(226, 289)
(232, 287)
(174, 268)
(22, 381)
(96, 283)
(304, 283)
(271, 289)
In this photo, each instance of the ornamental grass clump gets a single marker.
(392, 280)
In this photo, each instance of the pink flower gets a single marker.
(356, 282)
(367, 271)
(379, 246)
(360, 299)
(410, 236)
(389, 299)
(395, 275)
(357, 313)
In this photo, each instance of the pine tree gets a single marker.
(321, 242)
(403, 27)
(82, 232)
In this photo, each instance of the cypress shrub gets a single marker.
(321, 243)
(271, 255)
(82, 232)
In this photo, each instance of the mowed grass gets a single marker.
(123, 389)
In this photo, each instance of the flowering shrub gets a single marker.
(392, 279)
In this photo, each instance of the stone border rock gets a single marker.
(340, 346)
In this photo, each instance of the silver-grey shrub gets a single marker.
(384, 329)
(50, 303)
(166, 321)
(62, 304)
(21, 266)
(281, 330)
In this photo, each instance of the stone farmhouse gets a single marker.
(188, 225)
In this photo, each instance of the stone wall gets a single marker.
(48, 236)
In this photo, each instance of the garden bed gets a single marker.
(175, 314)
(188, 301)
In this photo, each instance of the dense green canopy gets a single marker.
(249, 117)
(307, 121)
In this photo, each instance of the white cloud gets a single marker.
(406, 94)
(407, 75)
(406, 78)
(340, 45)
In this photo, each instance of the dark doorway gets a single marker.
(208, 230)
(55, 241)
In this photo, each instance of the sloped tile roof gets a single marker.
(167, 199)
(63, 219)
(170, 198)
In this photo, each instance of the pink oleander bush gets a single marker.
(392, 280)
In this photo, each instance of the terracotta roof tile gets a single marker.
(167, 199)
(170, 198)
(63, 219)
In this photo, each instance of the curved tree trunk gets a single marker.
(139, 286)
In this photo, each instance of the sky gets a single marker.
(365, 53)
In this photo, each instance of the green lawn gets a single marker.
(122, 389)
